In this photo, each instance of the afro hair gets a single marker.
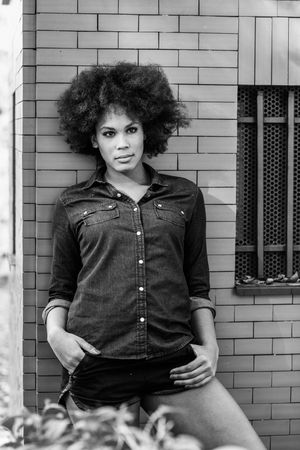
(142, 91)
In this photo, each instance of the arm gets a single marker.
(66, 264)
(206, 349)
(68, 348)
(203, 367)
(203, 328)
(195, 266)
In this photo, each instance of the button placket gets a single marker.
(141, 281)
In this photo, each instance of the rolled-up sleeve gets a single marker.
(66, 262)
(195, 261)
(54, 304)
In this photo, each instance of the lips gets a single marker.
(124, 157)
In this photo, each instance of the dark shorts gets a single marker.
(99, 381)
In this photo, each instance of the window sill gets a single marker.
(272, 289)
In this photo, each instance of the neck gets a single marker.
(137, 176)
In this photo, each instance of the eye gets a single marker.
(108, 133)
(132, 130)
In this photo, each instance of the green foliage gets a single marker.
(106, 428)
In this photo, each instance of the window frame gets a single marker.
(258, 286)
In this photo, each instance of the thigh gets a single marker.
(72, 408)
(210, 414)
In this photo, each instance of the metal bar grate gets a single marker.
(268, 195)
(260, 184)
(290, 184)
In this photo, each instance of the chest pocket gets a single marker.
(101, 213)
(165, 211)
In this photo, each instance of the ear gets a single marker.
(94, 141)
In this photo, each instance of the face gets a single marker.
(120, 140)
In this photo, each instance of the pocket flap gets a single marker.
(169, 212)
(100, 213)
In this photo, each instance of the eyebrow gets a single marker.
(112, 128)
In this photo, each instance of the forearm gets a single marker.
(203, 327)
(68, 347)
(203, 367)
(56, 320)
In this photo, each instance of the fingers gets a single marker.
(72, 362)
(192, 378)
(197, 362)
(199, 383)
(83, 347)
(195, 374)
(70, 350)
(86, 346)
(182, 378)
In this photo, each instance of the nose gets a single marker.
(122, 141)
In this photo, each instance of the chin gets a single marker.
(121, 167)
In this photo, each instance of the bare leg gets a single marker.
(72, 407)
(210, 414)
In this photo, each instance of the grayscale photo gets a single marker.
(150, 224)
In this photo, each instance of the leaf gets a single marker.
(294, 278)
(6, 436)
(183, 442)
(54, 429)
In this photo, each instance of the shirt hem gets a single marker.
(152, 355)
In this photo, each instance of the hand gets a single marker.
(199, 371)
(69, 348)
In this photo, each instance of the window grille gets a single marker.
(268, 184)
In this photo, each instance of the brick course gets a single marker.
(98, 6)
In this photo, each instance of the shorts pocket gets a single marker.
(81, 364)
(88, 361)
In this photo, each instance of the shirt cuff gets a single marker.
(200, 302)
(54, 304)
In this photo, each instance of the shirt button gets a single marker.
(110, 206)
(85, 213)
(141, 288)
(135, 209)
(159, 205)
(141, 261)
(138, 233)
(119, 195)
(182, 212)
(142, 319)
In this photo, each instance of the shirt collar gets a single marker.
(98, 177)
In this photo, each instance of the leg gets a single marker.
(210, 414)
(72, 407)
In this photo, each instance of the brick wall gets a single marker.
(16, 313)
(197, 44)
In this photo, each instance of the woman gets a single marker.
(129, 316)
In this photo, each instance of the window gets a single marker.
(268, 188)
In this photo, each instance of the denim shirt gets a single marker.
(130, 273)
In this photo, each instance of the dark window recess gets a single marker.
(268, 190)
